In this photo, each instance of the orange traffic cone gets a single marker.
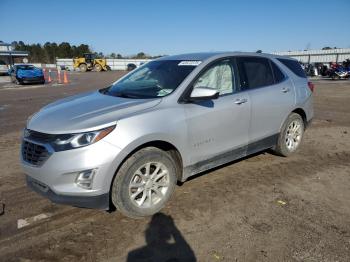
(59, 77)
(65, 77)
(49, 80)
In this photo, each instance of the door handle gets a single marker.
(240, 101)
(285, 89)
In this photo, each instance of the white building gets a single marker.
(9, 56)
(114, 64)
(318, 56)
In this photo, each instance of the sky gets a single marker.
(159, 27)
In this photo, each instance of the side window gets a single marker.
(219, 76)
(277, 73)
(254, 72)
(294, 66)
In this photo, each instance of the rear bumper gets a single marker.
(95, 202)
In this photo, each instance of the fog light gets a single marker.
(84, 178)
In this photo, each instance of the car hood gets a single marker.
(86, 112)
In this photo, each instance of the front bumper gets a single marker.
(56, 177)
(95, 202)
(31, 80)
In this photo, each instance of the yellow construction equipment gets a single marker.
(90, 62)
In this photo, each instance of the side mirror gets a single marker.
(203, 93)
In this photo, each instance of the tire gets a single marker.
(98, 67)
(83, 67)
(288, 136)
(132, 201)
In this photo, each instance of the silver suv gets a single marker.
(127, 145)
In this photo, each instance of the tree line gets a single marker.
(48, 52)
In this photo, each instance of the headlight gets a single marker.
(70, 141)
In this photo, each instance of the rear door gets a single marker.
(272, 98)
(218, 129)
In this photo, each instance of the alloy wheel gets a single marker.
(149, 184)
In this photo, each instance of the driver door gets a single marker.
(218, 129)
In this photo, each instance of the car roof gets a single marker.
(208, 55)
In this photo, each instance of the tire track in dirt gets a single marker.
(232, 186)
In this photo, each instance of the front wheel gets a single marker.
(290, 136)
(144, 183)
(98, 67)
(83, 67)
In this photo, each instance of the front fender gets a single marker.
(165, 125)
(133, 146)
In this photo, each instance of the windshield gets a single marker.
(154, 79)
(26, 67)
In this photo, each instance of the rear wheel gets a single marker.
(291, 135)
(144, 183)
(83, 67)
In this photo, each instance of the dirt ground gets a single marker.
(262, 208)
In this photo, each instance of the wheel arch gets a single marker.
(302, 113)
(165, 146)
(298, 111)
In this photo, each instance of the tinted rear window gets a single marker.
(26, 67)
(279, 76)
(254, 72)
(294, 66)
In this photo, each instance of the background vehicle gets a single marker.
(164, 122)
(90, 62)
(130, 67)
(3, 67)
(339, 73)
(26, 74)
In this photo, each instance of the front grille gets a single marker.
(40, 137)
(34, 154)
(35, 78)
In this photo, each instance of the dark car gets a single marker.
(130, 67)
(26, 74)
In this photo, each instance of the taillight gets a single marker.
(311, 86)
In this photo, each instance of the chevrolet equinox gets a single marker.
(126, 146)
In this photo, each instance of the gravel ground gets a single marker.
(262, 208)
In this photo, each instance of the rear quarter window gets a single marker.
(294, 66)
(277, 73)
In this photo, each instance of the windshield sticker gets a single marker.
(164, 92)
(189, 63)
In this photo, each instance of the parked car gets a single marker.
(127, 145)
(3, 68)
(339, 73)
(26, 74)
